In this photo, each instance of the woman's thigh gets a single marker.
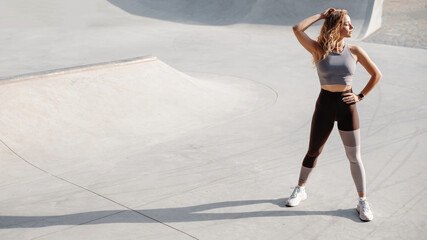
(348, 117)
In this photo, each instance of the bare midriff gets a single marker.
(336, 88)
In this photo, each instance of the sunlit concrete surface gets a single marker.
(189, 120)
(404, 24)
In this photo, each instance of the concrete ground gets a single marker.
(202, 141)
(404, 24)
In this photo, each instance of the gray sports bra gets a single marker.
(337, 68)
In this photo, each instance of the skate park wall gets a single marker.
(47, 35)
(365, 14)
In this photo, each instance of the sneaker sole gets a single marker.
(294, 205)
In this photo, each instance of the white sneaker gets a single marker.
(296, 197)
(364, 211)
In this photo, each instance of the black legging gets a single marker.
(330, 108)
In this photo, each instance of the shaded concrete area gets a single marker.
(170, 215)
(204, 12)
(203, 141)
(52, 37)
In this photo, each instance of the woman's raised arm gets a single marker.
(308, 43)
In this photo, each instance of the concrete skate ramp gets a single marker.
(205, 143)
(101, 113)
(50, 33)
(366, 14)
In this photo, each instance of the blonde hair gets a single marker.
(330, 33)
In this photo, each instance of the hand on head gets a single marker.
(327, 12)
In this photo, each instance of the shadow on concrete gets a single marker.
(168, 215)
(219, 12)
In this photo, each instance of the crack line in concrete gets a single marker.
(93, 192)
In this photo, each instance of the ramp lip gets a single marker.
(75, 69)
(373, 19)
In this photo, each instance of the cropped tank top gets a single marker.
(337, 68)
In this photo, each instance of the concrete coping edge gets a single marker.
(75, 69)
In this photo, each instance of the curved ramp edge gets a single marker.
(104, 112)
(373, 19)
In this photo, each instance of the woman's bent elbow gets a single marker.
(378, 76)
(295, 28)
(375, 78)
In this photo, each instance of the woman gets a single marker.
(336, 63)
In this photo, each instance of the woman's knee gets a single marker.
(310, 159)
(353, 154)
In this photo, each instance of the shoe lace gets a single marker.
(295, 192)
(365, 206)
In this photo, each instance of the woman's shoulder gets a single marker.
(353, 47)
(356, 50)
